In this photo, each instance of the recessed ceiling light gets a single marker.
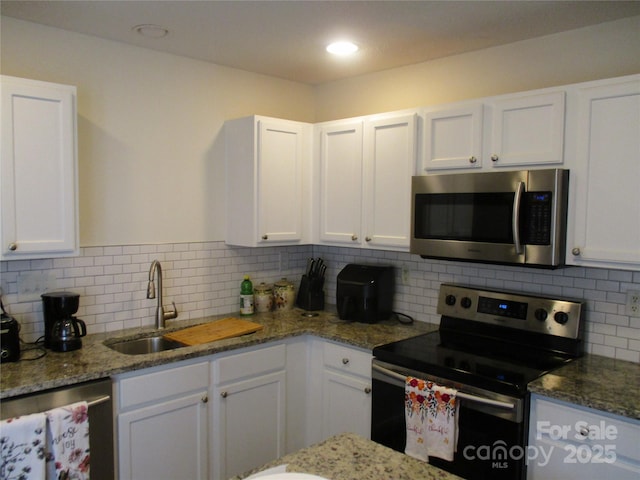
(151, 31)
(342, 48)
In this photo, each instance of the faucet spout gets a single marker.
(161, 315)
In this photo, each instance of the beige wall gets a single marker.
(607, 50)
(151, 159)
(150, 151)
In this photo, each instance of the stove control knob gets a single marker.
(540, 314)
(465, 302)
(450, 300)
(561, 318)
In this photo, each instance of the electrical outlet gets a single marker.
(33, 284)
(633, 303)
(406, 276)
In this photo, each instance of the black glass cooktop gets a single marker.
(467, 359)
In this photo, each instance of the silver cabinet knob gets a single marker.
(345, 361)
(367, 390)
(473, 159)
(224, 394)
(584, 431)
(576, 251)
(13, 247)
(354, 237)
(205, 399)
(494, 158)
(265, 237)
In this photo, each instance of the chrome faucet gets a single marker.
(161, 315)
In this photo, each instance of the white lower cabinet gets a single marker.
(163, 423)
(572, 442)
(340, 396)
(249, 401)
(222, 415)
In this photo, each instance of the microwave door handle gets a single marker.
(515, 221)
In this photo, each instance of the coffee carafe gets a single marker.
(62, 331)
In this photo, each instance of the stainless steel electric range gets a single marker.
(489, 346)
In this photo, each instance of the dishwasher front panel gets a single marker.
(99, 397)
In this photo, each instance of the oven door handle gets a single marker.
(462, 395)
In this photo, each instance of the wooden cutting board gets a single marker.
(217, 330)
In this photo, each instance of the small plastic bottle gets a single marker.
(246, 297)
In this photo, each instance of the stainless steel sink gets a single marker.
(141, 346)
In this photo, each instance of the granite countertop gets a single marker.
(601, 383)
(349, 456)
(95, 360)
(597, 382)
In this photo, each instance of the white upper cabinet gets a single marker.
(38, 170)
(341, 183)
(267, 162)
(453, 137)
(527, 130)
(507, 131)
(390, 161)
(604, 206)
(365, 181)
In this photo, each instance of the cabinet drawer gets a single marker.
(564, 423)
(347, 359)
(157, 385)
(250, 363)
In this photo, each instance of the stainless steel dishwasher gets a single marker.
(98, 395)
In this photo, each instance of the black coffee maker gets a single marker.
(62, 331)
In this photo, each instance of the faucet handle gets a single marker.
(171, 313)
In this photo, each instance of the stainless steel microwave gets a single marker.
(516, 217)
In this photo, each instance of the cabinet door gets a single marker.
(453, 138)
(572, 442)
(38, 170)
(346, 404)
(390, 161)
(527, 130)
(166, 440)
(249, 424)
(341, 177)
(279, 181)
(605, 202)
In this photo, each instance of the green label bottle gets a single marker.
(246, 297)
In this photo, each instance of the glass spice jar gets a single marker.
(263, 298)
(284, 295)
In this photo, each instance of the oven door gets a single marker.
(492, 427)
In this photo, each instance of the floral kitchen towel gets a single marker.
(68, 442)
(23, 447)
(431, 420)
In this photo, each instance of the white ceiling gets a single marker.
(286, 39)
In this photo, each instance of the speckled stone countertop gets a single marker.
(95, 360)
(349, 456)
(597, 382)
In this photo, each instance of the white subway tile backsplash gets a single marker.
(203, 279)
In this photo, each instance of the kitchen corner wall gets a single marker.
(204, 279)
